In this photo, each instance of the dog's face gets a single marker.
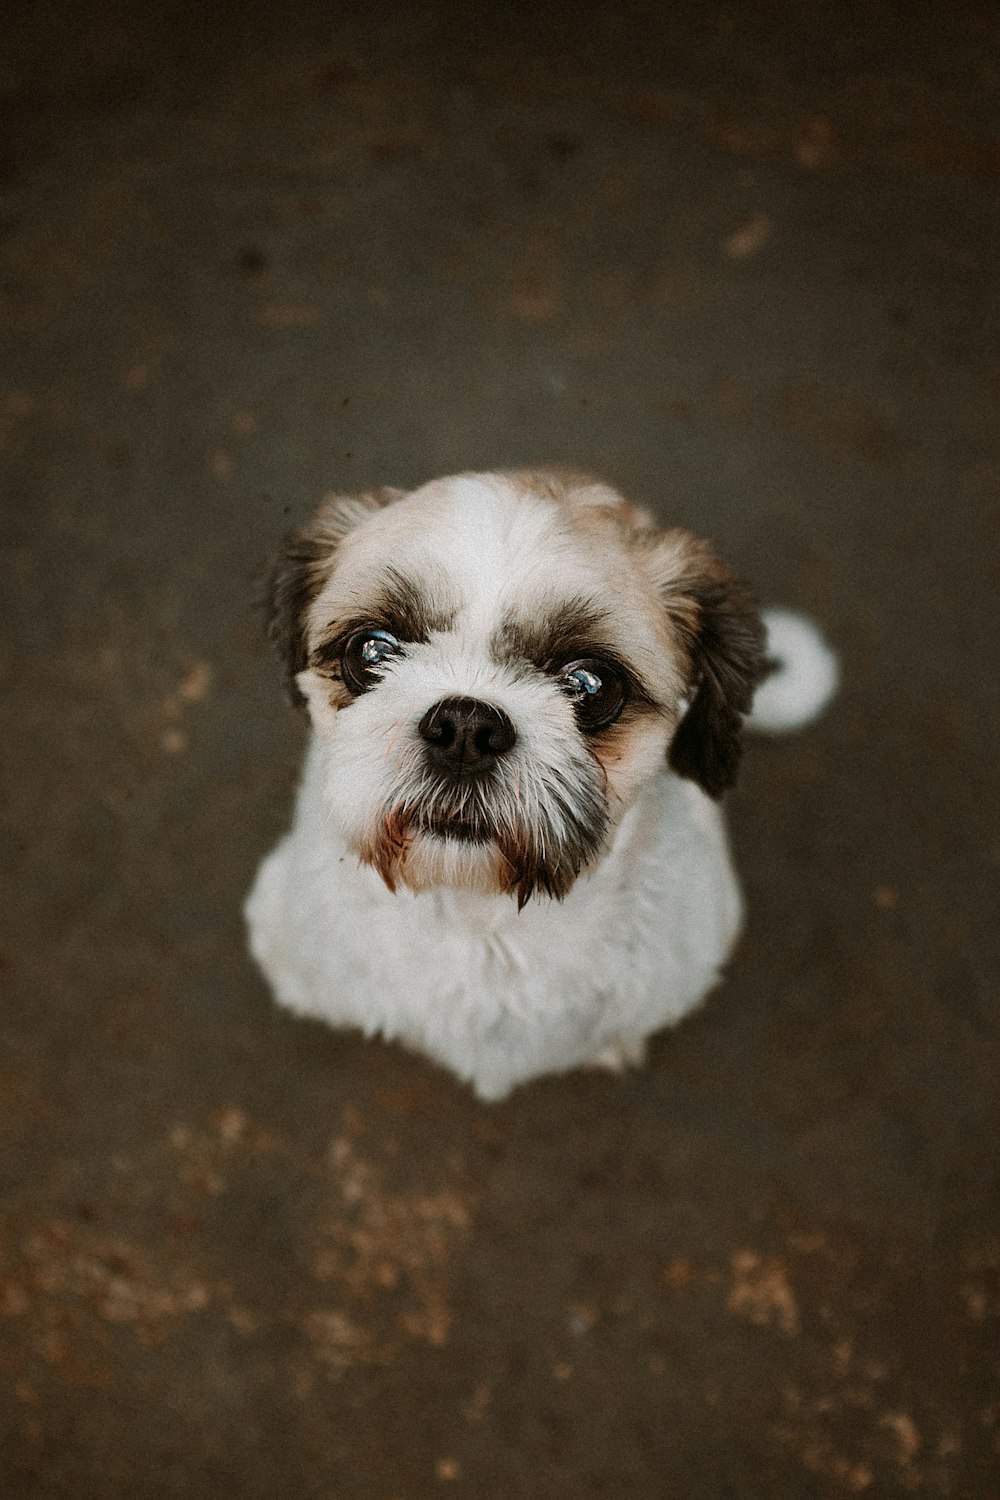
(496, 665)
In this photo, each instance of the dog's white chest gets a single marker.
(496, 995)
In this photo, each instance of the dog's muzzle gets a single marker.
(531, 828)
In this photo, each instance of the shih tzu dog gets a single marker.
(526, 699)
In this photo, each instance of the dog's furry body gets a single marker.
(395, 902)
(499, 995)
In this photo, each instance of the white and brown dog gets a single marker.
(525, 700)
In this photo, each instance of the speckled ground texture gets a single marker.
(741, 260)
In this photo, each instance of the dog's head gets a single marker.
(495, 665)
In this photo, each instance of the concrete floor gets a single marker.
(740, 259)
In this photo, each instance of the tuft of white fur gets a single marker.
(805, 678)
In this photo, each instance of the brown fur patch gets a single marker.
(523, 876)
(387, 850)
(675, 561)
(399, 605)
(571, 629)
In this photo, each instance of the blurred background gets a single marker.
(741, 260)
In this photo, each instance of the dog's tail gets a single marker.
(802, 674)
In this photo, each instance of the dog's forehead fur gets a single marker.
(494, 556)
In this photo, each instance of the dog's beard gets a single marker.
(511, 832)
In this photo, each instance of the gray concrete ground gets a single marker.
(743, 261)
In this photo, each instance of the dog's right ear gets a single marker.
(301, 569)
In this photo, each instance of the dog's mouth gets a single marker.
(466, 837)
(464, 828)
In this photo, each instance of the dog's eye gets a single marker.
(364, 654)
(597, 689)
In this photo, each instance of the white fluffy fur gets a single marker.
(447, 963)
(501, 996)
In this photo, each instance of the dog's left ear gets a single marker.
(721, 630)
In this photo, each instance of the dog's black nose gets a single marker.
(465, 736)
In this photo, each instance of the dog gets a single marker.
(526, 699)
